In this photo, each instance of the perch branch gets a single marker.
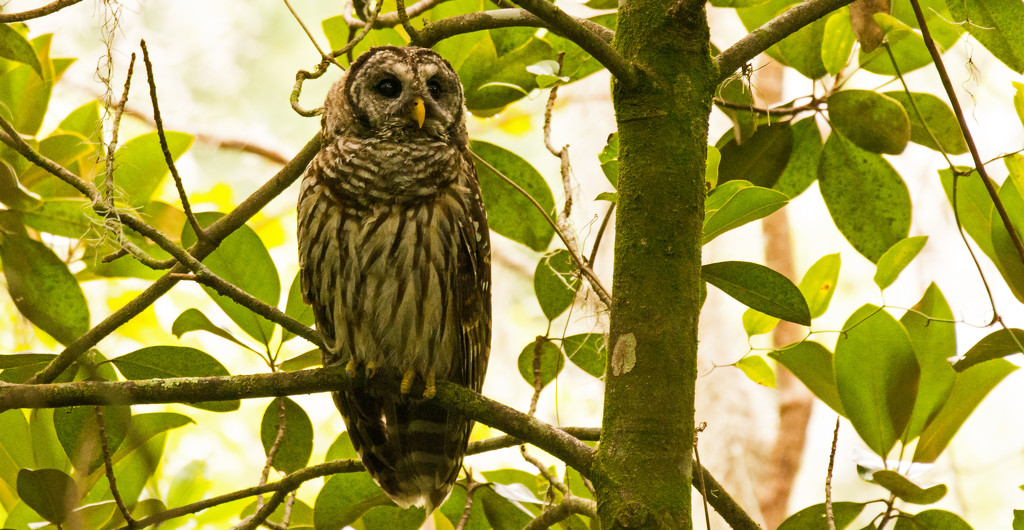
(772, 32)
(7, 18)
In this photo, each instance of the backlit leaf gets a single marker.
(78, 432)
(297, 442)
(929, 325)
(939, 118)
(872, 121)
(997, 24)
(819, 283)
(892, 263)
(551, 361)
(509, 213)
(555, 282)
(140, 167)
(587, 351)
(757, 370)
(812, 364)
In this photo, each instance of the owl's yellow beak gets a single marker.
(419, 111)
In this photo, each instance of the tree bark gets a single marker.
(643, 471)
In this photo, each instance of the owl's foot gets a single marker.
(410, 375)
(371, 369)
(350, 367)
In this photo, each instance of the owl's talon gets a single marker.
(350, 367)
(431, 389)
(407, 379)
(371, 369)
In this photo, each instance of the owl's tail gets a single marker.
(413, 448)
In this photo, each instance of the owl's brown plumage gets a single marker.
(395, 260)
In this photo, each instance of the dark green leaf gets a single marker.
(892, 263)
(297, 442)
(12, 193)
(819, 283)
(78, 432)
(997, 24)
(735, 204)
(587, 351)
(243, 260)
(995, 345)
(872, 121)
(194, 320)
(456, 505)
(812, 364)
(760, 288)
(509, 213)
(760, 159)
(837, 42)
(555, 282)
(394, 518)
(932, 520)
(757, 370)
(903, 488)
(38, 282)
(50, 492)
(296, 308)
(300, 362)
(602, 4)
(502, 513)
(929, 325)
(140, 165)
(877, 376)
(609, 158)
(344, 498)
(802, 168)
(1018, 520)
(551, 361)
(938, 117)
(813, 517)
(865, 196)
(157, 362)
(16, 48)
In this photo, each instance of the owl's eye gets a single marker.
(434, 87)
(389, 87)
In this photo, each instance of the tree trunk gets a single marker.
(642, 471)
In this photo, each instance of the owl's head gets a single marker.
(401, 93)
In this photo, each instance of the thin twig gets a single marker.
(562, 510)
(168, 158)
(265, 475)
(467, 510)
(830, 519)
(602, 293)
(947, 85)
(309, 34)
(538, 381)
(115, 127)
(7, 18)
(544, 471)
(108, 465)
(403, 16)
(700, 476)
(264, 512)
(600, 233)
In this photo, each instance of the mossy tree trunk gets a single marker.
(642, 472)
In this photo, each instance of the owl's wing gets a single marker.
(318, 225)
(472, 288)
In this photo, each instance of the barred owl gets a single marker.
(395, 261)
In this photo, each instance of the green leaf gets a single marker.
(157, 362)
(25, 94)
(297, 443)
(802, 49)
(12, 193)
(587, 351)
(15, 453)
(819, 283)
(132, 472)
(907, 46)
(813, 517)
(877, 376)
(812, 364)
(802, 168)
(15, 47)
(1018, 520)
(38, 281)
(46, 447)
(711, 164)
(929, 325)
(602, 4)
(753, 17)
(555, 282)
(837, 41)
(551, 361)
(140, 167)
(341, 448)
(577, 63)
(532, 486)
(865, 196)
(394, 518)
(872, 121)
(491, 82)
(1006, 257)
(997, 24)
(609, 159)
(242, 260)
(973, 205)
(995, 345)
(757, 323)
(760, 288)
(937, 16)
(193, 319)
(892, 263)
(938, 118)
(903, 488)
(1018, 100)
(78, 432)
(546, 72)
(344, 498)
(931, 520)
(757, 370)
(72, 218)
(760, 159)
(67, 149)
(145, 427)
(50, 492)
(735, 204)
(296, 308)
(509, 213)
(456, 505)
(337, 32)
(302, 361)
(501, 513)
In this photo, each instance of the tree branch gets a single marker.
(562, 510)
(38, 12)
(442, 29)
(772, 32)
